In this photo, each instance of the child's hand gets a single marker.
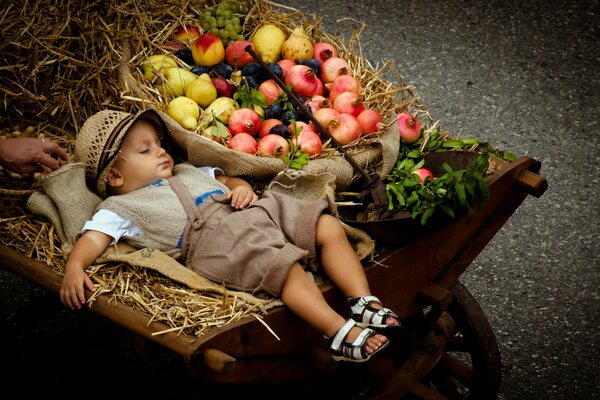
(241, 197)
(72, 289)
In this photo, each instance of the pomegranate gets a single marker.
(244, 120)
(350, 103)
(300, 126)
(236, 54)
(303, 80)
(344, 128)
(273, 146)
(423, 174)
(320, 90)
(324, 116)
(409, 126)
(310, 142)
(369, 120)
(224, 88)
(317, 101)
(267, 124)
(271, 90)
(323, 51)
(334, 67)
(243, 142)
(344, 83)
(285, 66)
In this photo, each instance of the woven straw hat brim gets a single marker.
(101, 137)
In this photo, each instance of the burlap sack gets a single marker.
(307, 186)
(68, 203)
(169, 267)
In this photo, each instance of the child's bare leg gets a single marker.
(303, 298)
(339, 261)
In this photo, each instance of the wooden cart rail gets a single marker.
(418, 275)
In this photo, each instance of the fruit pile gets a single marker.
(214, 87)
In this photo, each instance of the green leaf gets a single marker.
(448, 168)
(448, 210)
(418, 165)
(414, 154)
(453, 143)
(428, 213)
(460, 191)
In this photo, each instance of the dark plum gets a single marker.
(287, 116)
(251, 81)
(281, 130)
(224, 70)
(200, 70)
(185, 55)
(313, 64)
(251, 69)
(273, 111)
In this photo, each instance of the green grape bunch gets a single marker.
(224, 21)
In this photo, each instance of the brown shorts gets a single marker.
(252, 250)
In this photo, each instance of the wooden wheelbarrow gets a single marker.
(449, 350)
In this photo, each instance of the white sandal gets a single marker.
(367, 316)
(355, 351)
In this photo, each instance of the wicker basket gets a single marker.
(13, 202)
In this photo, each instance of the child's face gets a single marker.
(142, 160)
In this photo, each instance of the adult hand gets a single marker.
(29, 155)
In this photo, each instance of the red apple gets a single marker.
(423, 174)
(208, 50)
(186, 33)
(236, 54)
(224, 88)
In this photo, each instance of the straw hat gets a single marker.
(100, 138)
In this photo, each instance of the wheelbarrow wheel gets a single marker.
(470, 367)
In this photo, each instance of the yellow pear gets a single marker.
(221, 108)
(202, 91)
(298, 46)
(176, 80)
(268, 41)
(156, 63)
(185, 111)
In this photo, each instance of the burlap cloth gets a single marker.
(68, 203)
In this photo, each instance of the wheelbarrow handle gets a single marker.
(322, 131)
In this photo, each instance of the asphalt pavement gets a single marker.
(524, 76)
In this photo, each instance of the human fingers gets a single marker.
(48, 161)
(54, 150)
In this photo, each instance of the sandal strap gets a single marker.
(364, 313)
(338, 339)
(355, 350)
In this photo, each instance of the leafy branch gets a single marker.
(450, 192)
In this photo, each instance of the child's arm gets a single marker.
(241, 193)
(87, 248)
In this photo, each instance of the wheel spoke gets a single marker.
(457, 343)
(447, 386)
(458, 369)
